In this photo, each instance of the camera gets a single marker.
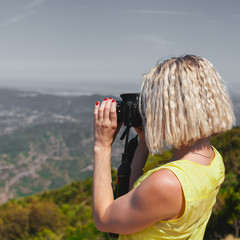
(128, 110)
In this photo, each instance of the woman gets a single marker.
(182, 103)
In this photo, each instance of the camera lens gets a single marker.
(128, 110)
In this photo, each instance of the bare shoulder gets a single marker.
(164, 190)
(166, 179)
(163, 182)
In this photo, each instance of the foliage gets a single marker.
(66, 213)
(225, 219)
(14, 222)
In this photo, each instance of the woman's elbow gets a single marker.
(99, 224)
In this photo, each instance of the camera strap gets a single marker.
(124, 170)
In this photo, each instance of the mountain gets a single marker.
(46, 140)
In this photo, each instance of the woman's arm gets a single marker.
(158, 197)
(105, 124)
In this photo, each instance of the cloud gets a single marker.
(16, 19)
(26, 11)
(156, 41)
(151, 40)
(164, 12)
(33, 4)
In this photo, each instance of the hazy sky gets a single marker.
(80, 42)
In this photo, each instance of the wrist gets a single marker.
(101, 148)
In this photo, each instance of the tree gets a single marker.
(14, 222)
(45, 215)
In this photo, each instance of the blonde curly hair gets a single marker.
(182, 100)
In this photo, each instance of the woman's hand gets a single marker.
(105, 123)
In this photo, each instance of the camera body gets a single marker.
(128, 110)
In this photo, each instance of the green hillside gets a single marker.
(66, 214)
(47, 156)
(226, 213)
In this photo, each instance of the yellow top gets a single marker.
(200, 185)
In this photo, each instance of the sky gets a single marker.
(97, 45)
